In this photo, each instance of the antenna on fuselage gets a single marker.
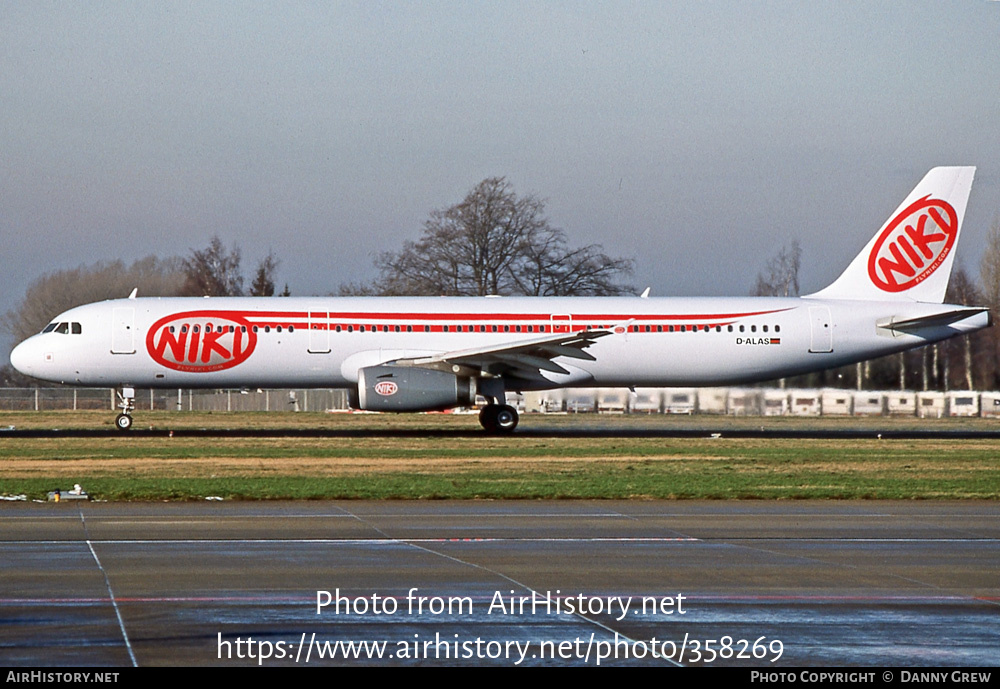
(135, 291)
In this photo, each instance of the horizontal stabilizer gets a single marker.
(935, 320)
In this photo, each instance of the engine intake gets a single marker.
(411, 388)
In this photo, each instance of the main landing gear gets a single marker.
(126, 402)
(498, 418)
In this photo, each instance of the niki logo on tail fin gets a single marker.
(914, 244)
(910, 257)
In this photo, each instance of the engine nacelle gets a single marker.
(410, 388)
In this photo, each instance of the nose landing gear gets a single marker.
(126, 402)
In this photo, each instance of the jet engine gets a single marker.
(411, 388)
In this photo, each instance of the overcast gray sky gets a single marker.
(695, 137)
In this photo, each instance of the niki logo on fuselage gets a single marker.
(201, 341)
(913, 245)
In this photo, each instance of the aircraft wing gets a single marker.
(521, 359)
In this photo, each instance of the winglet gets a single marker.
(910, 257)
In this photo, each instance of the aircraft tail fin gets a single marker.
(910, 257)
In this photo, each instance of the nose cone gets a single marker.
(24, 359)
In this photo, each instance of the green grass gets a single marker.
(372, 465)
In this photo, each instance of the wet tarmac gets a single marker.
(763, 584)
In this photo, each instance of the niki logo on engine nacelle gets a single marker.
(201, 341)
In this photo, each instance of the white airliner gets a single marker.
(431, 353)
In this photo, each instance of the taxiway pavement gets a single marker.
(853, 583)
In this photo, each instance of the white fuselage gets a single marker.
(323, 342)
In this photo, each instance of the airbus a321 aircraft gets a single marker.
(431, 353)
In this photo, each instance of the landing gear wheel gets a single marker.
(506, 418)
(123, 422)
(498, 418)
(488, 418)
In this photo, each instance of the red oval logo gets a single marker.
(913, 245)
(386, 388)
(201, 341)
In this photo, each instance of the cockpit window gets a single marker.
(64, 328)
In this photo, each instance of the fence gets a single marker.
(48, 399)
(731, 401)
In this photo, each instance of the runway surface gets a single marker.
(452, 583)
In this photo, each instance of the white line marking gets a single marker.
(471, 539)
(107, 583)
(416, 544)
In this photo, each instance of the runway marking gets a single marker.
(107, 583)
(709, 599)
(715, 540)
(416, 544)
(357, 541)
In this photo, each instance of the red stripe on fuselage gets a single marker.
(278, 318)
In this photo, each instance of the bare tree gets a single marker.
(56, 292)
(548, 268)
(963, 290)
(989, 267)
(495, 242)
(213, 271)
(781, 277)
(989, 277)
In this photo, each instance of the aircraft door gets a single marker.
(561, 323)
(123, 331)
(820, 329)
(319, 333)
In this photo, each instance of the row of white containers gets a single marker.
(762, 402)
